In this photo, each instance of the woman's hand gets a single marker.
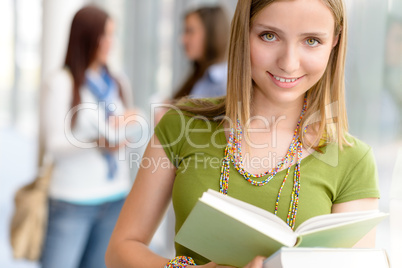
(104, 144)
(210, 265)
(256, 262)
(129, 117)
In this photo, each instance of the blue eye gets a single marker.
(312, 42)
(268, 37)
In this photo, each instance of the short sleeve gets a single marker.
(361, 182)
(170, 132)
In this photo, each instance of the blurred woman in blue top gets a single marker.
(205, 41)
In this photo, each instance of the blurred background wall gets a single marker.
(33, 38)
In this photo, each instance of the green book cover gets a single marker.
(231, 232)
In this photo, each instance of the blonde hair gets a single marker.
(326, 107)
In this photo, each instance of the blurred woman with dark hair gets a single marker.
(205, 42)
(83, 105)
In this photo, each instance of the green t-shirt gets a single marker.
(196, 148)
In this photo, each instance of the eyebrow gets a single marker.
(318, 34)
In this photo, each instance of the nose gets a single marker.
(289, 59)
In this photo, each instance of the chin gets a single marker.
(289, 99)
(192, 57)
(103, 61)
(287, 96)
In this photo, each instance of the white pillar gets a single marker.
(57, 17)
(56, 21)
(396, 213)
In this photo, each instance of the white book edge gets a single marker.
(281, 257)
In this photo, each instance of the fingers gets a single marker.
(214, 265)
(210, 265)
(257, 262)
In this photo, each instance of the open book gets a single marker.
(229, 231)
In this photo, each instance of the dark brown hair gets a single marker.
(216, 25)
(87, 28)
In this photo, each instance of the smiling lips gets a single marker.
(285, 82)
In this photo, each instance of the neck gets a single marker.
(282, 115)
(95, 66)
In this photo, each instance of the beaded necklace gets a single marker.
(233, 154)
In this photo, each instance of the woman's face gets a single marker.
(290, 43)
(393, 66)
(193, 38)
(105, 43)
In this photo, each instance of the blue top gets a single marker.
(213, 83)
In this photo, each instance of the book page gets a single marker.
(334, 219)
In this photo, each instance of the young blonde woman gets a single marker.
(280, 136)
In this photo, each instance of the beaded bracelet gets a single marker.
(180, 262)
